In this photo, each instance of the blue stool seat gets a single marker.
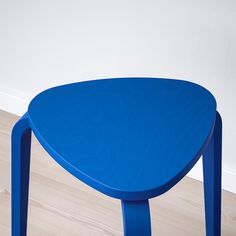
(129, 138)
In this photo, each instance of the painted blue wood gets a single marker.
(212, 181)
(136, 218)
(21, 141)
(130, 138)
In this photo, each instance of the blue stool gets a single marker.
(129, 138)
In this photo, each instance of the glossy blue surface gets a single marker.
(130, 138)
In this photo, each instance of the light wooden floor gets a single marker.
(61, 205)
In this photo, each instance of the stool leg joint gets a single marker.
(212, 162)
(136, 218)
(21, 141)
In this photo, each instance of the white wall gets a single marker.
(46, 43)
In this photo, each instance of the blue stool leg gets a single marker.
(212, 181)
(21, 141)
(136, 218)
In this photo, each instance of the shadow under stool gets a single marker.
(129, 138)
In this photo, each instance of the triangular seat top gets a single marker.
(130, 138)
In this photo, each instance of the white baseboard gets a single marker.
(12, 101)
